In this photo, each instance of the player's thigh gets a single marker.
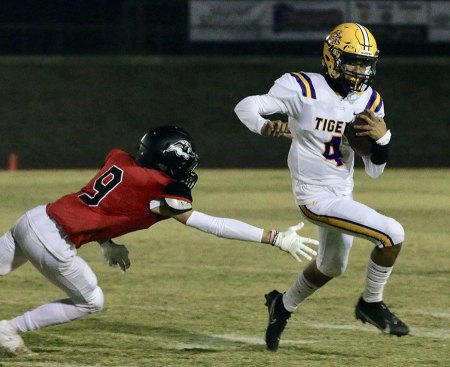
(68, 272)
(75, 277)
(356, 219)
(11, 256)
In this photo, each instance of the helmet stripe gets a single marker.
(365, 37)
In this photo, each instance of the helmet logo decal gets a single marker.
(349, 48)
(335, 38)
(182, 148)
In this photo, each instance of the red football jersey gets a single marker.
(116, 201)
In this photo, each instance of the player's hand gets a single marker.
(116, 255)
(296, 245)
(375, 128)
(276, 129)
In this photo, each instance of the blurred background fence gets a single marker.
(77, 78)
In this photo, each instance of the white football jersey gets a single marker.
(317, 116)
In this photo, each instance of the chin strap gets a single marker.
(336, 86)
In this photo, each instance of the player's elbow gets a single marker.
(373, 174)
(374, 170)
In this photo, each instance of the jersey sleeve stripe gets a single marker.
(305, 84)
(375, 102)
(347, 226)
(379, 105)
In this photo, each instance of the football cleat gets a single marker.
(379, 315)
(10, 341)
(278, 318)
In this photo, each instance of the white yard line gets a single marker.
(241, 339)
(437, 314)
(255, 341)
(244, 269)
(415, 331)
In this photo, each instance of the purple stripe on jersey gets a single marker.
(379, 105)
(300, 82)
(371, 100)
(313, 91)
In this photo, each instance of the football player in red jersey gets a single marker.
(127, 194)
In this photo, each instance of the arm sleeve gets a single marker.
(375, 163)
(380, 152)
(282, 98)
(225, 227)
(372, 169)
(250, 109)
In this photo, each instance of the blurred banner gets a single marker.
(391, 21)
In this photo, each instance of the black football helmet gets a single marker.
(171, 150)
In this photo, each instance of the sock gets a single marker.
(57, 312)
(376, 278)
(298, 292)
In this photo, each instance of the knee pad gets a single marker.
(97, 302)
(395, 231)
(334, 252)
(94, 303)
(334, 268)
(7, 253)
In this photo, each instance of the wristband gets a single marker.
(385, 139)
(273, 236)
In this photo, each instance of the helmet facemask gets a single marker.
(182, 161)
(355, 73)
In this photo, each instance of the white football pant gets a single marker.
(36, 238)
(340, 218)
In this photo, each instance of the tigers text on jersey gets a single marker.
(116, 201)
(319, 152)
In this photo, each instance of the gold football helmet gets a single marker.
(350, 56)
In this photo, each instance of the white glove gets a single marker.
(116, 255)
(291, 242)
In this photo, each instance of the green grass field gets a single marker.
(191, 299)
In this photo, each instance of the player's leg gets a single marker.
(71, 274)
(77, 280)
(11, 257)
(360, 220)
(331, 261)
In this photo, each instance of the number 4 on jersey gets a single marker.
(103, 186)
(332, 152)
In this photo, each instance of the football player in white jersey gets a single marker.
(321, 163)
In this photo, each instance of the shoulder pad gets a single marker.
(177, 189)
(178, 205)
(375, 102)
(305, 83)
(178, 197)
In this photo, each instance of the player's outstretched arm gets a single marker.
(116, 254)
(288, 240)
